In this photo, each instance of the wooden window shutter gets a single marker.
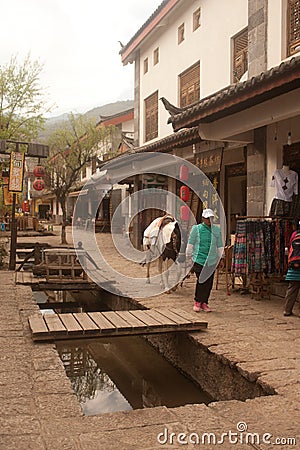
(145, 65)
(190, 85)
(156, 56)
(196, 19)
(151, 116)
(240, 55)
(293, 27)
(180, 34)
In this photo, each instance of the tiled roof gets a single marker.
(240, 96)
(118, 114)
(161, 11)
(158, 9)
(175, 140)
(183, 138)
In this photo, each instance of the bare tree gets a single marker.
(72, 147)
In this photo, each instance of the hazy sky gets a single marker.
(76, 41)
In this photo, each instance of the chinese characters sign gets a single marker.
(210, 161)
(16, 172)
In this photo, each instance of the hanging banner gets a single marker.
(16, 172)
(7, 196)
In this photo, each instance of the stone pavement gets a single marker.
(38, 409)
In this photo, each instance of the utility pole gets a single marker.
(13, 230)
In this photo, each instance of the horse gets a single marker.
(162, 242)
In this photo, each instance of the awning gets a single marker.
(76, 193)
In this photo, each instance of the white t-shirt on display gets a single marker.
(285, 183)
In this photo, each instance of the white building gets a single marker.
(217, 56)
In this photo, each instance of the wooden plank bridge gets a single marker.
(49, 327)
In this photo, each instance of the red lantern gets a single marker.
(38, 184)
(25, 206)
(184, 172)
(39, 171)
(184, 193)
(185, 212)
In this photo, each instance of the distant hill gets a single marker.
(110, 109)
(105, 110)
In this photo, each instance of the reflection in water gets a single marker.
(95, 391)
(124, 373)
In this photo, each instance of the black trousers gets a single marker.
(291, 295)
(202, 291)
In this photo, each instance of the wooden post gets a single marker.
(13, 236)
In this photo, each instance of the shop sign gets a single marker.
(210, 161)
(38, 184)
(208, 194)
(16, 172)
(155, 180)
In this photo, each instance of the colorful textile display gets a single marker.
(260, 246)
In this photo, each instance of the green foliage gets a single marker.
(22, 100)
(72, 147)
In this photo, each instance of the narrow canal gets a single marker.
(124, 373)
(119, 373)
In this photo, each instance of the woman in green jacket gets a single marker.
(205, 247)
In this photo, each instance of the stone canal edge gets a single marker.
(39, 409)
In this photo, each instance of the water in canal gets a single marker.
(124, 373)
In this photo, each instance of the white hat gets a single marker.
(207, 213)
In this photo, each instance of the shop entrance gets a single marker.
(235, 194)
(291, 157)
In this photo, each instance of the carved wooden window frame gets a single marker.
(240, 55)
(151, 116)
(146, 65)
(156, 56)
(189, 85)
(180, 34)
(196, 19)
(293, 27)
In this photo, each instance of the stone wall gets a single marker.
(256, 173)
(257, 36)
(214, 373)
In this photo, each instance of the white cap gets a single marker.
(207, 213)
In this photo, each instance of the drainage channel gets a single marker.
(123, 373)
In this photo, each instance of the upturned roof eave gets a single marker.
(127, 52)
(238, 97)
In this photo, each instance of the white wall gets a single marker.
(276, 32)
(210, 44)
(128, 126)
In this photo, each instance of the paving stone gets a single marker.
(12, 406)
(20, 424)
(280, 378)
(50, 363)
(38, 409)
(62, 443)
(13, 377)
(136, 438)
(58, 405)
(14, 390)
(22, 442)
(59, 386)
(265, 366)
(113, 421)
